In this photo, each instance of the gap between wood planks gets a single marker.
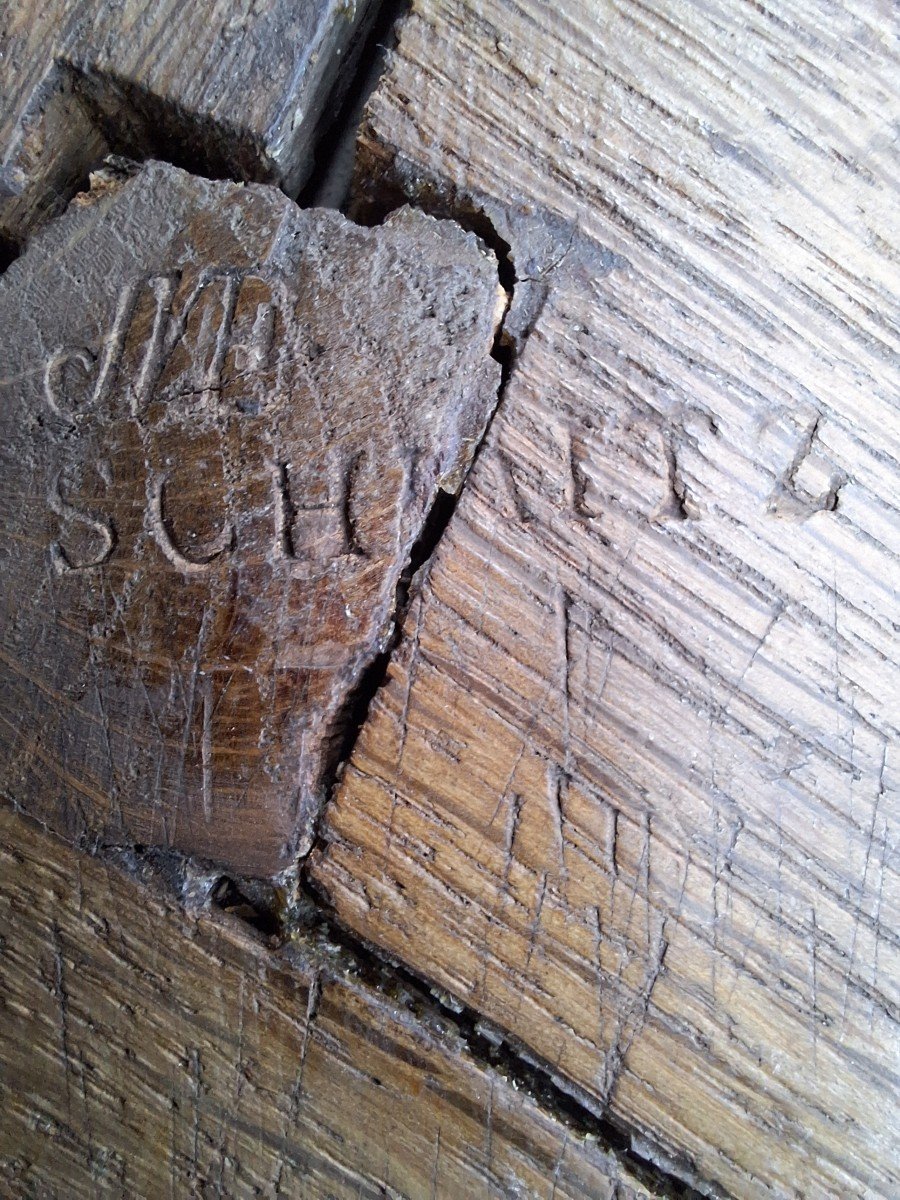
(282, 914)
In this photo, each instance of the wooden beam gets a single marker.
(629, 789)
(148, 1052)
(225, 423)
(228, 92)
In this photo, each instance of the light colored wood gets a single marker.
(631, 789)
(224, 88)
(145, 1052)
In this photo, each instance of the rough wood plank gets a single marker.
(632, 786)
(147, 1052)
(235, 90)
(224, 423)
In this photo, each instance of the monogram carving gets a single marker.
(198, 346)
(148, 329)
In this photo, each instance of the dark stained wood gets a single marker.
(631, 789)
(235, 89)
(224, 422)
(145, 1052)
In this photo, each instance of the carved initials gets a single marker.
(68, 371)
(232, 334)
(165, 534)
(58, 374)
(317, 532)
(169, 330)
(67, 559)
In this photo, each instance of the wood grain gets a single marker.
(230, 89)
(224, 424)
(148, 1052)
(631, 789)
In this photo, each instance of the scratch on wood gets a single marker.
(514, 812)
(62, 996)
(206, 746)
(313, 999)
(557, 781)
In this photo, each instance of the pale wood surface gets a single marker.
(631, 788)
(236, 89)
(145, 1053)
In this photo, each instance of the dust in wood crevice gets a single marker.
(515, 1064)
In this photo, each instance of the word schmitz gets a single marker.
(214, 475)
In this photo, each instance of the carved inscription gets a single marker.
(632, 464)
(198, 344)
(168, 541)
(811, 482)
(73, 553)
(211, 486)
(151, 333)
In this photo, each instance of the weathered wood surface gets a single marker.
(233, 89)
(144, 1053)
(224, 422)
(631, 788)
